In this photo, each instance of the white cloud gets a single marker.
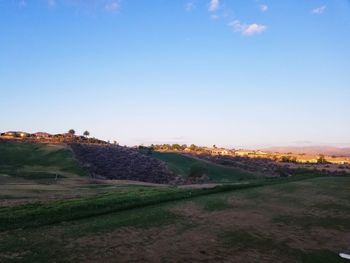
(247, 29)
(112, 6)
(264, 8)
(190, 6)
(319, 10)
(214, 5)
(253, 29)
(237, 26)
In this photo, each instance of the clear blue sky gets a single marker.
(229, 72)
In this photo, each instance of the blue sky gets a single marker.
(242, 73)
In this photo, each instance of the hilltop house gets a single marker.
(259, 152)
(219, 151)
(244, 152)
(68, 135)
(338, 160)
(15, 134)
(8, 134)
(307, 159)
(42, 135)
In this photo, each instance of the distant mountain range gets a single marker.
(326, 150)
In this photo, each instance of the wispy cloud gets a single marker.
(214, 5)
(112, 6)
(319, 10)
(247, 29)
(189, 6)
(264, 8)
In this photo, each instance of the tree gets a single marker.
(71, 131)
(321, 159)
(86, 133)
(193, 147)
(285, 159)
(214, 146)
(176, 146)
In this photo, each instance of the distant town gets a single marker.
(289, 157)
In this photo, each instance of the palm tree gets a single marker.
(86, 133)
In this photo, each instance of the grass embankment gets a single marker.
(57, 211)
(182, 165)
(37, 161)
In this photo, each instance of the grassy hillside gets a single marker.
(36, 161)
(302, 221)
(182, 165)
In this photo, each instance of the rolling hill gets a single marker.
(182, 165)
(29, 161)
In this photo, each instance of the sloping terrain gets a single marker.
(31, 172)
(304, 221)
(294, 219)
(183, 165)
(116, 162)
(29, 161)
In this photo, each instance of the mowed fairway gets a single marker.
(302, 221)
(181, 165)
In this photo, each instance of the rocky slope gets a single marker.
(116, 162)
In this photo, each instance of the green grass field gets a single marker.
(181, 165)
(114, 199)
(304, 218)
(36, 161)
(300, 221)
(39, 172)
